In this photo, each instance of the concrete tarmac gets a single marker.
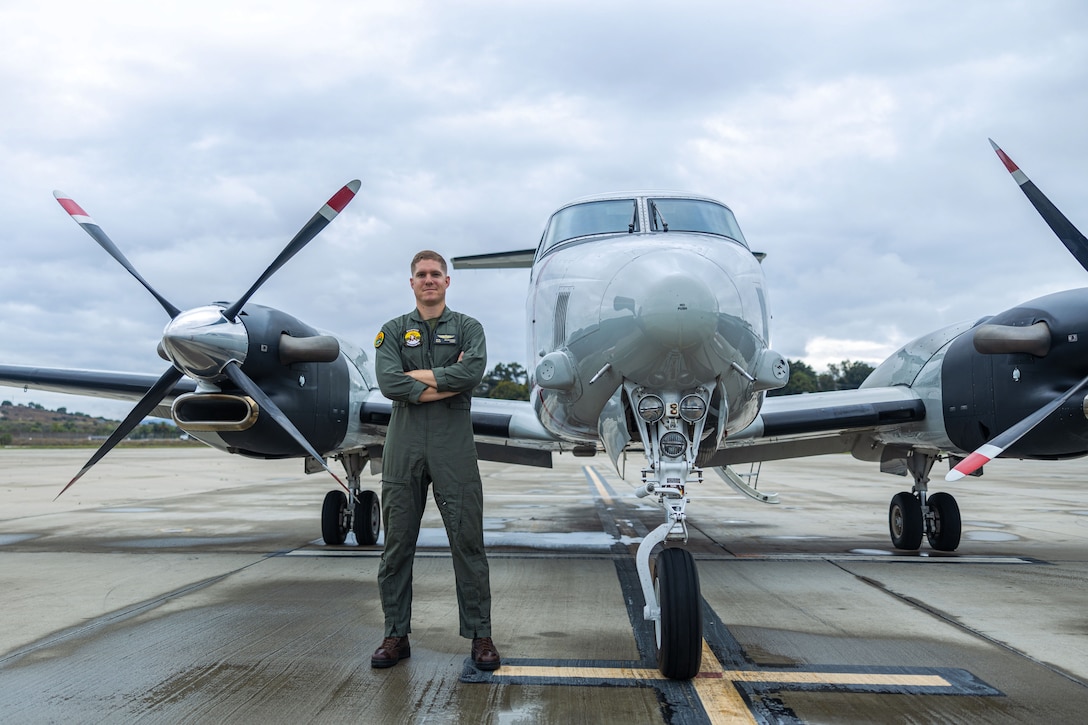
(191, 586)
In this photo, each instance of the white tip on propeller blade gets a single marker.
(74, 210)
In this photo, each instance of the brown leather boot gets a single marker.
(484, 654)
(391, 651)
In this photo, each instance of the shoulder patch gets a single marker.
(379, 339)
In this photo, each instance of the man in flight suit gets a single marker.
(427, 363)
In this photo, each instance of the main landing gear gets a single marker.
(918, 512)
(357, 510)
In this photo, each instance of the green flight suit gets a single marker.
(432, 443)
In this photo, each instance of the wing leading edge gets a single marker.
(93, 383)
(506, 431)
(811, 424)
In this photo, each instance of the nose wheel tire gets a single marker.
(679, 630)
(367, 522)
(333, 519)
(905, 521)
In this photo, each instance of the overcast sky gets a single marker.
(848, 137)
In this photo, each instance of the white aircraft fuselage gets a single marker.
(620, 309)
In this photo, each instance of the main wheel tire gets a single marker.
(947, 525)
(367, 522)
(333, 529)
(680, 628)
(905, 521)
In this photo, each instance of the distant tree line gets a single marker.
(847, 375)
(508, 381)
(34, 424)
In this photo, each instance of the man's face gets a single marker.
(429, 283)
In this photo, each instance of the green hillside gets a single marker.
(34, 425)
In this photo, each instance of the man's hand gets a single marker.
(431, 395)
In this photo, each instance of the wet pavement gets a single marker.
(188, 585)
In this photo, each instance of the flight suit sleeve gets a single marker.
(389, 369)
(463, 376)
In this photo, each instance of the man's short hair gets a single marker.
(428, 254)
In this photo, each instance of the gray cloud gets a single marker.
(849, 137)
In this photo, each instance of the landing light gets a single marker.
(692, 408)
(673, 444)
(651, 408)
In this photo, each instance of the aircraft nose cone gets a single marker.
(673, 304)
(678, 311)
(201, 341)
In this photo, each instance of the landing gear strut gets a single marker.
(668, 423)
(358, 510)
(671, 591)
(915, 513)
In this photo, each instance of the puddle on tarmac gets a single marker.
(6, 539)
(128, 510)
(989, 536)
(183, 541)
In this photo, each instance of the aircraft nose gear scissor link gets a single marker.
(671, 425)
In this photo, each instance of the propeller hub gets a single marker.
(201, 341)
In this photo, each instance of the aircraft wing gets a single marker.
(506, 431)
(811, 424)
(94, 383)
(520, 259)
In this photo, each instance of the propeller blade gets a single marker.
(234, 371)
(147, 403)
(997, 446)
(1071, 237)
(319, 221)
(84, 220)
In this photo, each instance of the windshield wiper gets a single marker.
(658, 215)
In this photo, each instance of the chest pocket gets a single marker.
(413, 347)
(446, 343)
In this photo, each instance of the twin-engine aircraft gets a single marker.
(648, 331)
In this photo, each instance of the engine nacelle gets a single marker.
(977, 380)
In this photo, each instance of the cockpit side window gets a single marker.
(615, 216)
(693, 215)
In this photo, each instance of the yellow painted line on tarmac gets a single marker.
(589, 673)
(721, 704)
(716, 687)
(838, 678)
(598, 482)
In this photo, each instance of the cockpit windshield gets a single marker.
(615, 216)
(693, 215)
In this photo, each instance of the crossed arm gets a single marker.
(426, 377)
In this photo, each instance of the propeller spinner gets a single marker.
(207, 342)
